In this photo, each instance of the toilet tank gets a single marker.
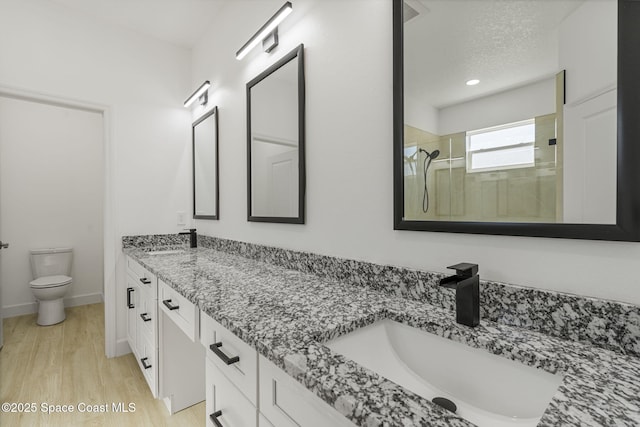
(51, 262)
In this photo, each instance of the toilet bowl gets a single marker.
(51, 270)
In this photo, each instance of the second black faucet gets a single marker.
(466, 282)
(193, 238)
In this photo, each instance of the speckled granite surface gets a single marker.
(287, 315)
(607, 324)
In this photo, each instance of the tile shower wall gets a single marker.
(607, 324)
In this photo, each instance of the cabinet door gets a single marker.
(286, 403)
(131, 300)
(225, 403)
(147, 360)
(235, 358)
(181, 366)
(147, 320)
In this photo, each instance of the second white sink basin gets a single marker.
(487, 389)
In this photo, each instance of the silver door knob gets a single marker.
(4, 245)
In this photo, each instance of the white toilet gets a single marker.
(51, 270)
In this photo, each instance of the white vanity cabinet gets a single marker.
(247, 390)
(162, 330)
(142, 330)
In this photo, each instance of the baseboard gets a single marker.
(32, 307)
(83, 300)
(19, 309)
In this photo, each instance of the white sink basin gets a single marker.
(488, 390)
(167, 252)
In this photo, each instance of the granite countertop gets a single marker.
(286, 315)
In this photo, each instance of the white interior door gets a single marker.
(282, 184)
(590, 160)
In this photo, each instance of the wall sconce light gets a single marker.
(268, 33)
(201, 94)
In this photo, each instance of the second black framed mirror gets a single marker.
(276, 142)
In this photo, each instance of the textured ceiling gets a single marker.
(503, 43)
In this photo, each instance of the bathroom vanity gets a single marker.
(267, 333)
(163, 331)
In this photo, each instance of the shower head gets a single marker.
(434, 154)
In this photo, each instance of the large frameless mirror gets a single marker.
(275, 142)
(205, 166)
(516, 117)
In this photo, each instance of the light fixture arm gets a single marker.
(266, 31)
(201, 94)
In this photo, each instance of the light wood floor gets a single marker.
(65, 364)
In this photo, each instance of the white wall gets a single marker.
(521, 103)
(349, 146)
(51, 173)
(47, 48)
(421, 115)
(50, 49)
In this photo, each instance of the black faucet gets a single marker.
(193, 238)
(466, 282)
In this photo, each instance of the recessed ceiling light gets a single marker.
(472, 82)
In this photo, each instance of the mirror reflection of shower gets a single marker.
(410, 160)
(427, 162)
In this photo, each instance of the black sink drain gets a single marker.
(445, 403)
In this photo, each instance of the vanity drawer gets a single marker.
(146, 317)
(143, 277)
(243, 372)
(287, 403)
(230, 407)
(147, 360)
(179, 309)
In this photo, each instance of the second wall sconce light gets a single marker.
(201, 94)
(268, 33)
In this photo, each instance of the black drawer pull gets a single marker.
(145, 317)
(145, 281)
(167, 303)
(144, 362)
(129, 303)
(215, 347)
(214, 418)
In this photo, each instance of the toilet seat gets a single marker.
(50, 282)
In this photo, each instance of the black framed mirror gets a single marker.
(204, 137)
(276, 142)
(450, 172)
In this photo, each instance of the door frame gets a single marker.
(110, 251)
